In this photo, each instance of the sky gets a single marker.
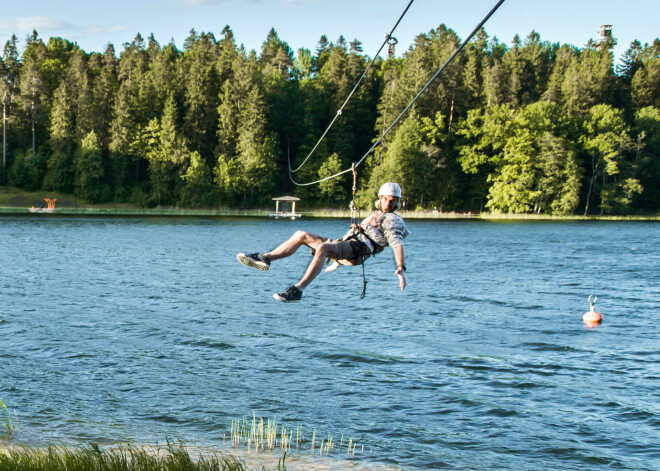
(300, 23)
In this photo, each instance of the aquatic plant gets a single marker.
(123, 458)
(6, 426)
(262, 436)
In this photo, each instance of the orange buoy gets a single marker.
(592, 318)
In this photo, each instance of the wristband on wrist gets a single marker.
(403, 267)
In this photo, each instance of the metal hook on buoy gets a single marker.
(592, 318)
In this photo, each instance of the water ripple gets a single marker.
(129, 329)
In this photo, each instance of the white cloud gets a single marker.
(43, 24)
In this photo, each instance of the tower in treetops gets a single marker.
(605, 36)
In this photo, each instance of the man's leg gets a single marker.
(291, 246)
(324, 250)
(261, 261)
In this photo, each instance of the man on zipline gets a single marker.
(373, 234)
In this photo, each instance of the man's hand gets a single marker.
(402, 279)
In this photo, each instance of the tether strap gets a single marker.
(364, 281)
(359, 230)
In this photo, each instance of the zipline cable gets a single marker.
(451, 58)
(341, 109)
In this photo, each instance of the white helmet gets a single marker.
(390, 189)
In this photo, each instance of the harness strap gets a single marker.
(364, 281)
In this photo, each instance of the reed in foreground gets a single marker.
(262, 435)
(123, 458)
(6, 427)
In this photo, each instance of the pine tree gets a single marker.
(32, 87)
(227, 54)
(589, 80)
(89, 169)
(257, 148)
(279, 93)
(124, 168)
(630, 62)
(168, 155)
(645, 83)
(105, 85)
(201, 90)
(11, 66)
(65, 124)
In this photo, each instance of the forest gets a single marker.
(530, 127)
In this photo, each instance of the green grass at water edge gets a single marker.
(122, 458)
(6, 426)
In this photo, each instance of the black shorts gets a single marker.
(351, 249)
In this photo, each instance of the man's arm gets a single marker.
(400, 265)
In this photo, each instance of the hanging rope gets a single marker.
(428, 84)
(356, 225)
(353, 205)
(388, 38)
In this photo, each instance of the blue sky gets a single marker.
(93, 24)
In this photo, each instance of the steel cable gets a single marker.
(451, 58)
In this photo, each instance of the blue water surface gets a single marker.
(143, 330)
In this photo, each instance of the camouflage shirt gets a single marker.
(383, 229)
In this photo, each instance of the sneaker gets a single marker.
(291, 295)
(254, 260)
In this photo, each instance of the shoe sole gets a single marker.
(248, 262)
(284, 300)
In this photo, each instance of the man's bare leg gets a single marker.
(291, 246)
(323, 251)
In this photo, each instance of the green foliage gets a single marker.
(332, 188)
(28, 170)
(89, 168)
(60, 175)
(526, 127)
(530, 164)
(605, 140)
(405, 162)
(647, 156)
(198, 190)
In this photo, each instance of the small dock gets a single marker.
(287, 208)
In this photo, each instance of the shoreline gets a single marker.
(234, 458)
(314, 214)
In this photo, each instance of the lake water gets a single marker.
(140, 330)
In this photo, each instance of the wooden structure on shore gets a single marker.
(287, 201)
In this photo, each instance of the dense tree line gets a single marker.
(530, 127)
